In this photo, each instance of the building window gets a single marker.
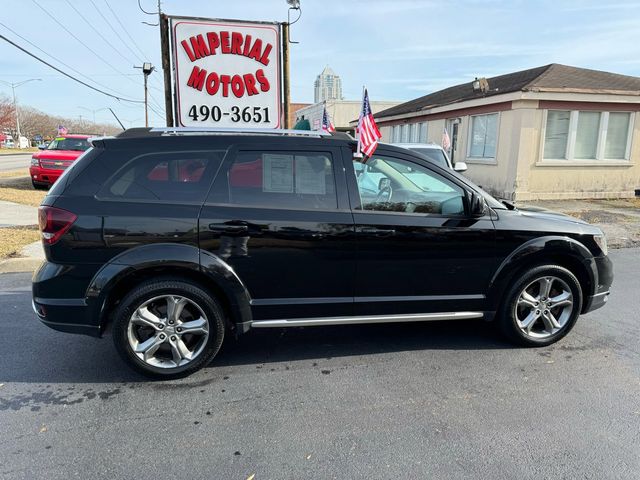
(586, 135)
(412, 132)
(484, 133)
(405, 133)
(617, 140)
(422, 132)
(396, 134)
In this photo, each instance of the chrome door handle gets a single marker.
(226, 228)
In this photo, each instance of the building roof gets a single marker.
(328, 71)
(548, 78)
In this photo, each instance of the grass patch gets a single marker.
(13, 239)
(17, 151)
(21, 191)
(23, 172)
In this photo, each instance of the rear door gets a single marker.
(417, 250)
(279, 216)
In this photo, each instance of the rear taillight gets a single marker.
(54, 222)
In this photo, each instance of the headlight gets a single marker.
(35, 162)
(601, 241)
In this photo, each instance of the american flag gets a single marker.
(368, 133)
(446, 141)
(62, 130)
(327, 126)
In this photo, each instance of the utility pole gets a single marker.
(286, 79)
(166, 66)
(147, 68)
(93, 111)
(15, 103)
(285, 73)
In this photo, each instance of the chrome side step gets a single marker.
(316, 322)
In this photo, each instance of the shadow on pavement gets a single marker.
(61, 358)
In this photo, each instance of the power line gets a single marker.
(78, 40)
(126, 32)
(153, 79)
(61, 62)
(66, 74)
(98, 32)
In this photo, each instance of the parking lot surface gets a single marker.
(430, 400)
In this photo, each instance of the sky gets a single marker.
(399, 49)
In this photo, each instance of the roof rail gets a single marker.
(241, 131)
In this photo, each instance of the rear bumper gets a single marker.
(45, 176)
(52, 287)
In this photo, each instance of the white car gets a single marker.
(434, 153)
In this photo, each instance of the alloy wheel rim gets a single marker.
(168, 331)
(544, 307)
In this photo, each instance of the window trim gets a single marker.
(356, 203)
(599, 161)
(483, 160)
(103, 198)
(334, 155)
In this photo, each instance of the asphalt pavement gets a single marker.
(15, 162)
(432, 400)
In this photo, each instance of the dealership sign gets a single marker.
(226, 73)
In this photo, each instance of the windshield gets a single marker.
(77, 144)
(434, 154)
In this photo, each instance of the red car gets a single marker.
(48, 164)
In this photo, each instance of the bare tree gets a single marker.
(7, 114)
(34, 122)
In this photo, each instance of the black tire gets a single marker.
(39, 186)
(168, 286)
(508, 322)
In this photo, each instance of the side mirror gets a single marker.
(460, 167)
(477, 205)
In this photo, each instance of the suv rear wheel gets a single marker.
(541, 307)
(168, 328)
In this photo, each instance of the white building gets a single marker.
(341, 113)
(327, 86)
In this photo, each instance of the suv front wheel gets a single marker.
(542, 306)
(168, 328)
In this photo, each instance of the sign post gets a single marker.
(226, 73)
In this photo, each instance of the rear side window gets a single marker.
(171, 176)
(289, 180)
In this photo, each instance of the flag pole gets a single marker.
(358, 153)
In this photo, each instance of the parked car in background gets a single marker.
(435, 153)
(49, 163)
(173, 238)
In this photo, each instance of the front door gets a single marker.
(281, 220)
(417, 249)
(452, 129)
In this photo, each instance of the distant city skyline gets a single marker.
(328, 86)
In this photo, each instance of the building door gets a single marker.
(452, 129)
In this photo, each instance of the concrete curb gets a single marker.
(16, 265)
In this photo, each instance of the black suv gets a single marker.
(175, 238)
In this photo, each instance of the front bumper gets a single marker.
(601, 291)
(44, 176)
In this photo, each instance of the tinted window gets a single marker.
(394, 185)
(296, 180)
(61, 143)
(173, 176)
